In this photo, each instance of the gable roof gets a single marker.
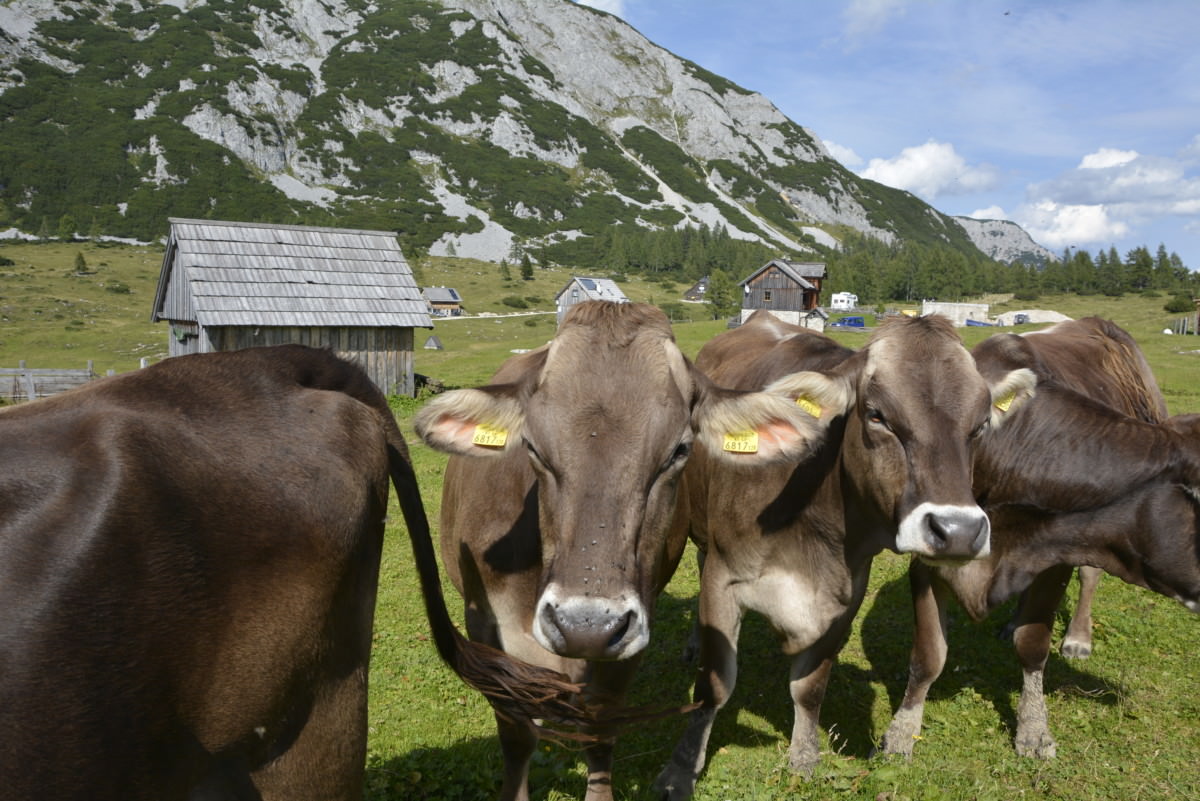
(441, 294)
(798, 271)
(240, 273)
(595, 289)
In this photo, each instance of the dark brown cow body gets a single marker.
(561, 531)
(1096, 358)
(1068, 481)
(795, 541)
(188, 564)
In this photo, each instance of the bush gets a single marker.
(1026, 294)
(118, 288)
(1180, 304)
(515, 302)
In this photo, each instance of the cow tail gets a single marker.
(516, 689)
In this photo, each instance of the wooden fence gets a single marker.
(1186, 325)
(26, 383)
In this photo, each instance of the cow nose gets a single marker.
(589, 627)
(957, 534)
(938, 531)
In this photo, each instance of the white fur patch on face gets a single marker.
(941, 531)
(562, 621)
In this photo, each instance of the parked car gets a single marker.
(848, 322)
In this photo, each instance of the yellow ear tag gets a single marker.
(809, 405)
(741, 442)
(489, 436)
(1003, 404)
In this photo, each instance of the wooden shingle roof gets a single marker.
(240, 274)
(798, 271)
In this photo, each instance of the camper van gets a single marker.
(843, 301)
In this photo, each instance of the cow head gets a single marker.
(912, 401)
(920, 401)
(606, 416)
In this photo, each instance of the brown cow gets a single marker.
(1099, 359)
(188, 563)
(1067, 481)
(795, 541)
(559, 517)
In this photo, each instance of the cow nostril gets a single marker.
(621, 629)
(937, 530)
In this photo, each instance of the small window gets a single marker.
(767, 295)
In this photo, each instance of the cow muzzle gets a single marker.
(940, 532)
(590, 627)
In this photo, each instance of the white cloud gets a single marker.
(845, 155)
(990, 213)
(1056, 225)
(615, 7)
(931, 170)
(1107, 157)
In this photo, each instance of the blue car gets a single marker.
(848, 322)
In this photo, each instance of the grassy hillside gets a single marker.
(1127, 720)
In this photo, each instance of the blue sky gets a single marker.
(1078, 120)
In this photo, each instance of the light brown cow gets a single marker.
(560, 522)
(794, 541)
(1068, 481)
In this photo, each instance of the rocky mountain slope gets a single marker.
(472, 127)
(1004, 240)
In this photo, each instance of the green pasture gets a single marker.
(1127, 720)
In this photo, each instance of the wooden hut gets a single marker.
(444, 301)
(581, 288)
(791, 290)
(232, 285)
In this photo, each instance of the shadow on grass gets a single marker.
(979, 658)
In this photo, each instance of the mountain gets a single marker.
(471, 127)
(1005, 241)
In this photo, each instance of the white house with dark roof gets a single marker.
(581, 288)
(444, 301)
(232, 285)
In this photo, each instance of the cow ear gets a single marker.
(783, 423)
(472, 422)
(1010, 392)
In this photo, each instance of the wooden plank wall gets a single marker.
(23, 383)
(385, 353)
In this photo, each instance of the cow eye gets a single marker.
(875, 417)
(981, 428)
(681, 453)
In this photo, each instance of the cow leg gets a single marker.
(518, 740)
(1077, 644)
(692, 650)
(1032, 641)
(926, 662)
(809, 678)
(720, 623)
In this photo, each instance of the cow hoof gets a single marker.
(1075, 649)
(1042, 747)
(673, 785)
(802, 761)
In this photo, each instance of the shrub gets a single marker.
(1026, 294)
(514, 301)
(1179, 304)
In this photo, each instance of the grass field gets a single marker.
(1127, 720)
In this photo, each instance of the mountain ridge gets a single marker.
(486, 128)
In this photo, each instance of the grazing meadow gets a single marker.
(1127, 720)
